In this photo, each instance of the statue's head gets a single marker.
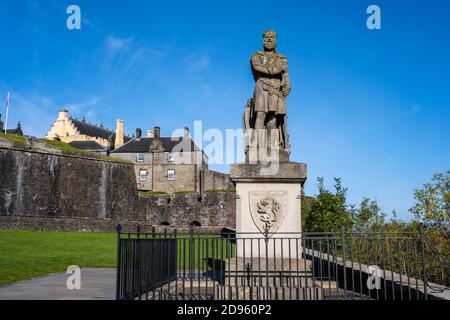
(270, 39)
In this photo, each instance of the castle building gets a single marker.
(17, 130)
(164, 164)
(84, 135)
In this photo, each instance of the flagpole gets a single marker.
(7, 111)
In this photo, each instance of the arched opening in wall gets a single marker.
(165, 223)
(195, 224)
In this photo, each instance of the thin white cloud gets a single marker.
(36, 113)
(85, 109)
(88, 22)
(127, 58)
(116, 44)
(198, 63)
(81, 106)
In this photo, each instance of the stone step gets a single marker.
(325, 284)
(212, 290)
(268, 293)
(237, 293)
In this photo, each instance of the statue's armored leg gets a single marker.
(260, 120)
(273, 139)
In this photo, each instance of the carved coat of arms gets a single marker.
(268, 208)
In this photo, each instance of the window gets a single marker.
(140, 157)
(170, 175)
(171, 157)
(142, 175)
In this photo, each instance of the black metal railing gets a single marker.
(280, 266)
(144, 264)
(438, 264)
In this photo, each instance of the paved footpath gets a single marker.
(96, 284)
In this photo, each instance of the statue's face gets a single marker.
(270, 41)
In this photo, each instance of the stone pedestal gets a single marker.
(268, 196)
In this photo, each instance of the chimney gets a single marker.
(149, 133)
(186, 133)
(63, 114)
(157, 132)
(119, 134)
(138, 133)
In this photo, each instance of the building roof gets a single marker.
(143, 145)
(87, 145)
(94, 131)
(17, 130)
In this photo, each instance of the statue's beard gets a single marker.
(269, 47)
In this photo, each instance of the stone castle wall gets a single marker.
(209, 210)
(213, 180)
(45, 191)
(43, 185)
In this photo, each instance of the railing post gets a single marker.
(248, 270)
(118, 287)
(266, 240)
(424, 268)
(138, 261)
(344, 261)
(191, 252)
(266, 232)
(175, 256)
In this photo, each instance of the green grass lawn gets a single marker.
(30, 254)
(65, 147)
(13, 138)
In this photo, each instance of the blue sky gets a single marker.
(372, 107)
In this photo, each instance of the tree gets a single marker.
(432, 208)
(307, 203)
(432, 201)
(368, 217)
(329, 211)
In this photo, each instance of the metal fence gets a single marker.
(144, 264)
(281, 266)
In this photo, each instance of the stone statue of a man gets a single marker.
(272, 86)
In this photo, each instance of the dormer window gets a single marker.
(140, 157)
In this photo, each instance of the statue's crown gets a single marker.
(269, 31)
